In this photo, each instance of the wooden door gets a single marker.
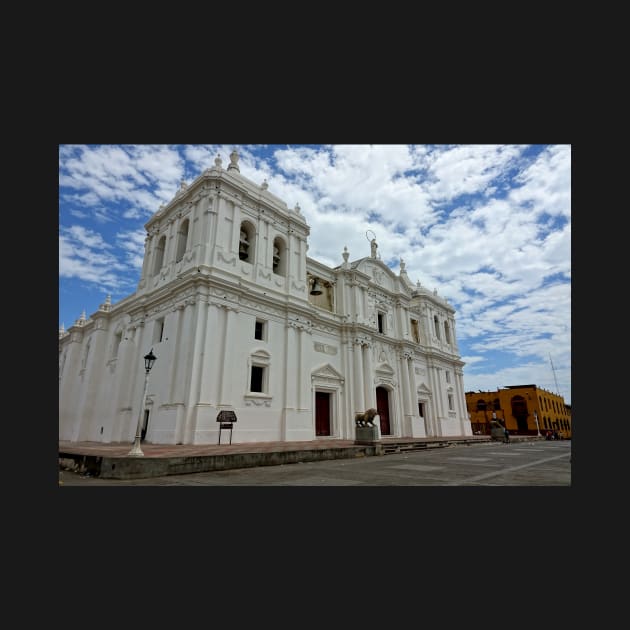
(382, 406)
(322, 413)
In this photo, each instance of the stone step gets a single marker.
(411, 446)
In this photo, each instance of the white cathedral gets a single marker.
(241, 319)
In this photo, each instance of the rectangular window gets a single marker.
(450, 402)
(421, 409)
(259, 330)
(381, 323)
(256, 384)
(158, 330)
(448, 376)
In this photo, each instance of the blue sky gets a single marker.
(488, 226)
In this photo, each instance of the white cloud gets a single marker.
(547, 182)
(133, 245)
(83, 254)
(127, 174)
(488, 226)
(467, 169)
(201, 155)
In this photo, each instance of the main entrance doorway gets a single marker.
(382, 406)
(322, 413)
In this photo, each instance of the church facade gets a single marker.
(241, 319)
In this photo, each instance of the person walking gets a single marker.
(506, 435)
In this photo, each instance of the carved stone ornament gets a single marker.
(365, 419)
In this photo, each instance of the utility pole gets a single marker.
(554, 376)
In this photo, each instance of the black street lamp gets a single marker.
(149, 360)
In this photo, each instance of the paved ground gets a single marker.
(524, 463)
(118, 449)
(121, 449)
(112, 460)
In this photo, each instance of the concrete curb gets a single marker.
(116, 467)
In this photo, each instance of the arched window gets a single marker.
(447, 333)
(436, 325)
(481, 405)
(182, 239)
(159, 255)
(86, 354)
(415, 330)
(279, 256)
(246, 242)
(117, 340)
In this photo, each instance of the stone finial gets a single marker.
(218, 161)
(107, 305)
(402, 265)
(234, 161)
(183, 185)
(62, 330)
(81, 319)
(297, 208)
(418, 284)
(264, 185)
(345, 254)
(434, 291)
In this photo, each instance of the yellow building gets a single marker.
(523, 409)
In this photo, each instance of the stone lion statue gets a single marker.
(365, 419)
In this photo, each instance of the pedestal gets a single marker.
(366, 435)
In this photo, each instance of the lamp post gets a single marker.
(149, 360)
(536, 419)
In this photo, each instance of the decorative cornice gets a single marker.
(229, 261)
(305, 325)
(327, 372)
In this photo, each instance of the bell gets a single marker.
(316, 290)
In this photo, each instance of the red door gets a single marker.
(322, 413)
(382, 406)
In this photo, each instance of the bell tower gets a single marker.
(226, 226)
